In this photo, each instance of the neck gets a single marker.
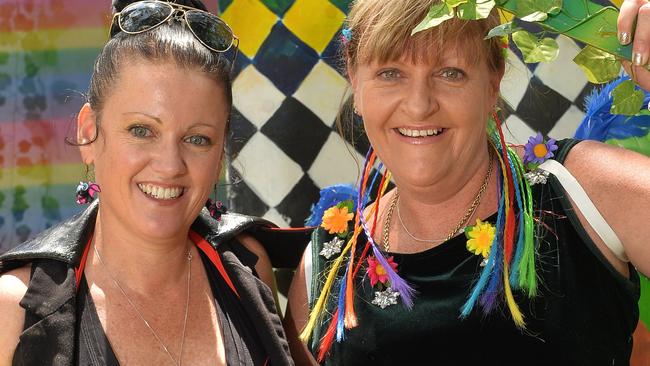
(432, 212)
(145, 264)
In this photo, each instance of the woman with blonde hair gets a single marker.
(475, 257)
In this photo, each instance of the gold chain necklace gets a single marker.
(187, 303)
(470, 212)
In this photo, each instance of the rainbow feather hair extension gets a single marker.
(344, 317)
(511, 263)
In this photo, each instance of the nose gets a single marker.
(169, 161)
(420, 101)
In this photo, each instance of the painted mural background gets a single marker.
(287, 91)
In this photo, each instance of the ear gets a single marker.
(86, 133)
(354, 83)
(495, 80)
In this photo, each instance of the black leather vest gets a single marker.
(50, 301)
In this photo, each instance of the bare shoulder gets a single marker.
(13, 286)
(618, 182)
(252, 244)
(263, 266)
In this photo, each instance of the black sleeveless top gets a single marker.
(241, 342)
(584, 314)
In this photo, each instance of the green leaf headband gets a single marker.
(592, 24)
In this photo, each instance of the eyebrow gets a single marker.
(145, 114)
(159, 121)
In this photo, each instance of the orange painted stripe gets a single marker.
(27, 15)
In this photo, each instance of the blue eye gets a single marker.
(390, 74)
(452, 74)
(140, 131)
(198, 140)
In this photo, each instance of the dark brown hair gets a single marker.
(169, 42)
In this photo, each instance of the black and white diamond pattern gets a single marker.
(286, 148)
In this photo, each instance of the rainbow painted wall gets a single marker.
(47, 49)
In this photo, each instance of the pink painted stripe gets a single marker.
(24, 144)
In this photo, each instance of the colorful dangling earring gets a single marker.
(86, 192)
(216, 208)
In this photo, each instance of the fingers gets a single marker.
(641, 76)
(627, 18)
(641, 47)
(634, 24)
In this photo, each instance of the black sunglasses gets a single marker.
(143, 16)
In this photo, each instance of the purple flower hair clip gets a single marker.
(86, 192)
(537, 150)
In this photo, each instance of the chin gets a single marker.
(162, 227)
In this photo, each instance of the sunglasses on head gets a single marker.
(143, 16)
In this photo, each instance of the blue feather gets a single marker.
(331, 196)
(599, 124)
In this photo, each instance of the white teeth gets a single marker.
(419, 133)
(161, 193)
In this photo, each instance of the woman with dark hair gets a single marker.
(145, 275)
(475, 257)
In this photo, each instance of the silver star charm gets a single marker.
(537, 176)
(331, 247)
(385, 298)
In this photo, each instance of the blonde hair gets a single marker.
(381, 31)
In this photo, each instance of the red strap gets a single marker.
(200, 242)
(78, 272)
(214, 257)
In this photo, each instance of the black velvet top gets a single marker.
(584, 314)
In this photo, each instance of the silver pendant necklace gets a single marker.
(146, 323)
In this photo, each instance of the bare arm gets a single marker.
(13, 286)
(297, 315)
(618, 182)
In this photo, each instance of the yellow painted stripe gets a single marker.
(39, 175)
(53, 39)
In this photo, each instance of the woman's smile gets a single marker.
(159, 192)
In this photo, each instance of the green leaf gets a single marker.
(437, 14)
(535, 50)
(455, 3)
(628, 100)
(537, 10)
(600, 66)
(473, 10)
(639, 144)
(347, 203)
(502, 30)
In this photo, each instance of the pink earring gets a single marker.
(216, 209)
(86, 192)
